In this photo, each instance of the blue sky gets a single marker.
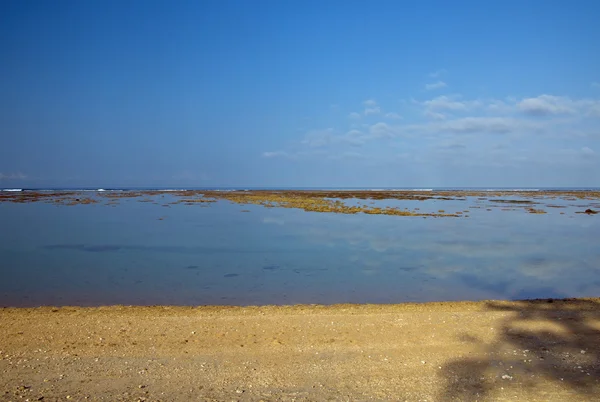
(299, 93)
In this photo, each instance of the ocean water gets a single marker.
(144, 253)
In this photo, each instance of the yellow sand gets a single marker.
(434, 351)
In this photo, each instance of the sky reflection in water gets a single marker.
(194, 255)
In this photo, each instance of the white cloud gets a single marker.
(371, 107)
(587, 151)
(328, 137)
(372, 110)
(12, 176)
(370, 103)
(434, 115)
(594, 109)
(445, 124)
(275, 154)
(353, 137)
(275, 221)
(449, 103)
(569, 157)
(546, 105)
(318, 138)
(472, 125)
(497, 125)
(450, 145)
(439, 107)
(437, 73)
(499, 106)
(381, 130)
(435, 85)
(392, 115)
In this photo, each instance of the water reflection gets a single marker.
(218, 255)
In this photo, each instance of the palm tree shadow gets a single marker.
(538, 341)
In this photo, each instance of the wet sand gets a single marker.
(535, 350)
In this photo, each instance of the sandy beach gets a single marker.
(535, 350)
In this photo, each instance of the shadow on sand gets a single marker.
(539, 343)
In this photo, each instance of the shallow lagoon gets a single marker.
(145, 253)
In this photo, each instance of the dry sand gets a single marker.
(537, 350)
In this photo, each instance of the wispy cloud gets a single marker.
(569, 157)
(12, 176)
(371, 107)
(393, 115)
(381, 130)
(437, 73)
(435, 85)
(452, 145)
(372, 110)
(547, 105)
(370, 103)
(459, 132)
(319, 138)
(588, 152)
(353, 137)
(449, 103)
(476, 125)
(499, 106)
(346, 155)
(481, 125)
(434, 115)
(596, 85)
(329, 137)
(275, 154)
(354, 115)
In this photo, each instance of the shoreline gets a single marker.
(486, 350)
(466, 304)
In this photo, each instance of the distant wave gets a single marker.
(224, 189)
(403, 189)
(513, 189)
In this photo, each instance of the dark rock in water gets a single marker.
(230, 275)
(271, 267)
(588, 211)
(192, 267)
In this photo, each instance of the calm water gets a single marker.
(124, 254)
